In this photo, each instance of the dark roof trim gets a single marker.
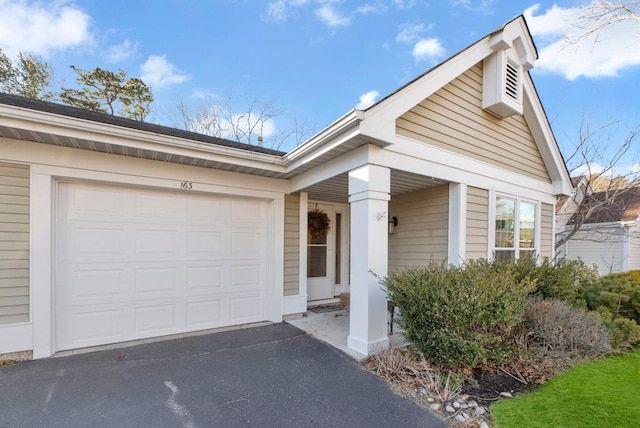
(79, 113)
(611, 206)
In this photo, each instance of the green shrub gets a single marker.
(616, 300)
(555, 329)
(564, 280)
(625, 332)
(618, 292)
(459, 317)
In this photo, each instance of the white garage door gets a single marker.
(137, 263)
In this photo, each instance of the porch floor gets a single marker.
(332, 327)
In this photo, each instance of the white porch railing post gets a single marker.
(457, 224)
(369, 188)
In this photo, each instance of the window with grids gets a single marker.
(515, 228)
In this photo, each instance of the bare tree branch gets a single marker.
(251, 121)
(607, 179)
(602, 14)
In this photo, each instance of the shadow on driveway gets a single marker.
(272, 376)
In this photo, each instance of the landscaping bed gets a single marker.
(489, 331)
(460, 397)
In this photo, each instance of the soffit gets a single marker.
(166, 155)
(123, 150)
(336, 189)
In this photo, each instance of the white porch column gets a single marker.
(457, 224)
(369, 188)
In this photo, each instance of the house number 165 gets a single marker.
(186, 185)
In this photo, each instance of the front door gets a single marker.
(320, 252)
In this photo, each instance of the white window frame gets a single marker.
(516, 233)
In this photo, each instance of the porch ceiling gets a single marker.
(336, 189)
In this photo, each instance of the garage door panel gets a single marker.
(88, 202)
(96, 284)
(158, 205)
(245, 308)
(247, 276)
(156, 242)
(206, 313)
(156, 280)
(247, 244)
(90, 284)
(205, 241)
(247, 211)
(92, 326)
(150, 263)
(156, 319)
(97, 241)
(204, 210)
(205, 278)
(92, 242)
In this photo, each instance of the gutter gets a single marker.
(344, 123)
(74, 127)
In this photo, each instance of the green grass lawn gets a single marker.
(602, 393)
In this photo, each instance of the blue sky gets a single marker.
(317, 59)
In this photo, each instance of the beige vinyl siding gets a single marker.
(546, 231)
(14, 243)
(422, 231)
(477, 223)
(453, 119)
(291, 244)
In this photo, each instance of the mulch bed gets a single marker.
(491, 383)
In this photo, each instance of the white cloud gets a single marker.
(483, 6)
(427, 49)
(325, 10)
(404, 4)
(409, 33)
(276, 11)
(367, 100)
(556, 22)
(280, 10)
(42, 28)
(157, 71)
(122, 52)
(331, 17)
(368, 8)
(573, 46)
(203, 94)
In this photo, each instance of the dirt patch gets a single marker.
(489, 385)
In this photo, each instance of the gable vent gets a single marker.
(502, 85)
(511, 83)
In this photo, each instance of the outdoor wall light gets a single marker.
(393, 222)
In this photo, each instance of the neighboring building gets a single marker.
(114, 230)
(610, 236)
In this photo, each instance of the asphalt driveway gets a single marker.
(272, 376)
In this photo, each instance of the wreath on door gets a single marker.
(318, 223)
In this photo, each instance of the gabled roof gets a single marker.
(611, 206)
(379, 119)
(533, 50)
(313, 161)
